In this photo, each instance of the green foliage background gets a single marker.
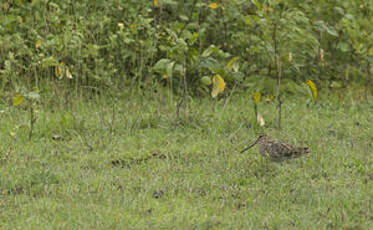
(115, 43)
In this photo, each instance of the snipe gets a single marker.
(276, 150)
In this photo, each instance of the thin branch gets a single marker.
(278, 72)
(32, 122)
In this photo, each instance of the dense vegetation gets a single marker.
(114, 43)
(106, 118)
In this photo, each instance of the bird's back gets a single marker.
(279, 150)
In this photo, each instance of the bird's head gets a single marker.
(262, 137)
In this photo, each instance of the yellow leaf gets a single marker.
(321, 55)
(247, 21)
(56, 71)
(133, 25)
(165, 76)
(313, 88)
(12, 134)
(38, 43)
(257, 97)
(370, 51)
(120, 25)
(68, 74)
(17, 100)
(290, 57)
(371, 19)
(20, 20)
(156, 3)
(267, 9)
(218, 85)
(214, 5)
(260, 120)
(59, 70)
(269, 98)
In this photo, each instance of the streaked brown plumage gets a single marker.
(276, 150)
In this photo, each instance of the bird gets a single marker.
(276, 150)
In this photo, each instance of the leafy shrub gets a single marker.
(111, 43)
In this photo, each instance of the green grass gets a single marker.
(146, 170)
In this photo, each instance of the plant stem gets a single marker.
(278, 73)
(32, 121)
(279, 111)
(112, 118)
(178, 106)
(256, 112)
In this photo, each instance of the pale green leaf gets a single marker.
(206, 80)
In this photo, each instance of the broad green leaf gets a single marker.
(237, 76)
(336, 84)
(17, 100)
(211, 63)
(350, 17)
(210, 50)
(231, 63)
(257, 4)
(54, 5)
(20, 3)
(178, 68)
(257, 97)
(313, 88)
(184, 18)
(289, 86)
(218, 85)
(206, 80)
(93, 49)
(207, 52)
(169, 68)
(339, 10)
(343, 46)
(161, 65)
(331, 31)
(33, 95)
(48, 62)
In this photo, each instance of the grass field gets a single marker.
(96, 164)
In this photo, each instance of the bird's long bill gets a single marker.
(248, 147)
